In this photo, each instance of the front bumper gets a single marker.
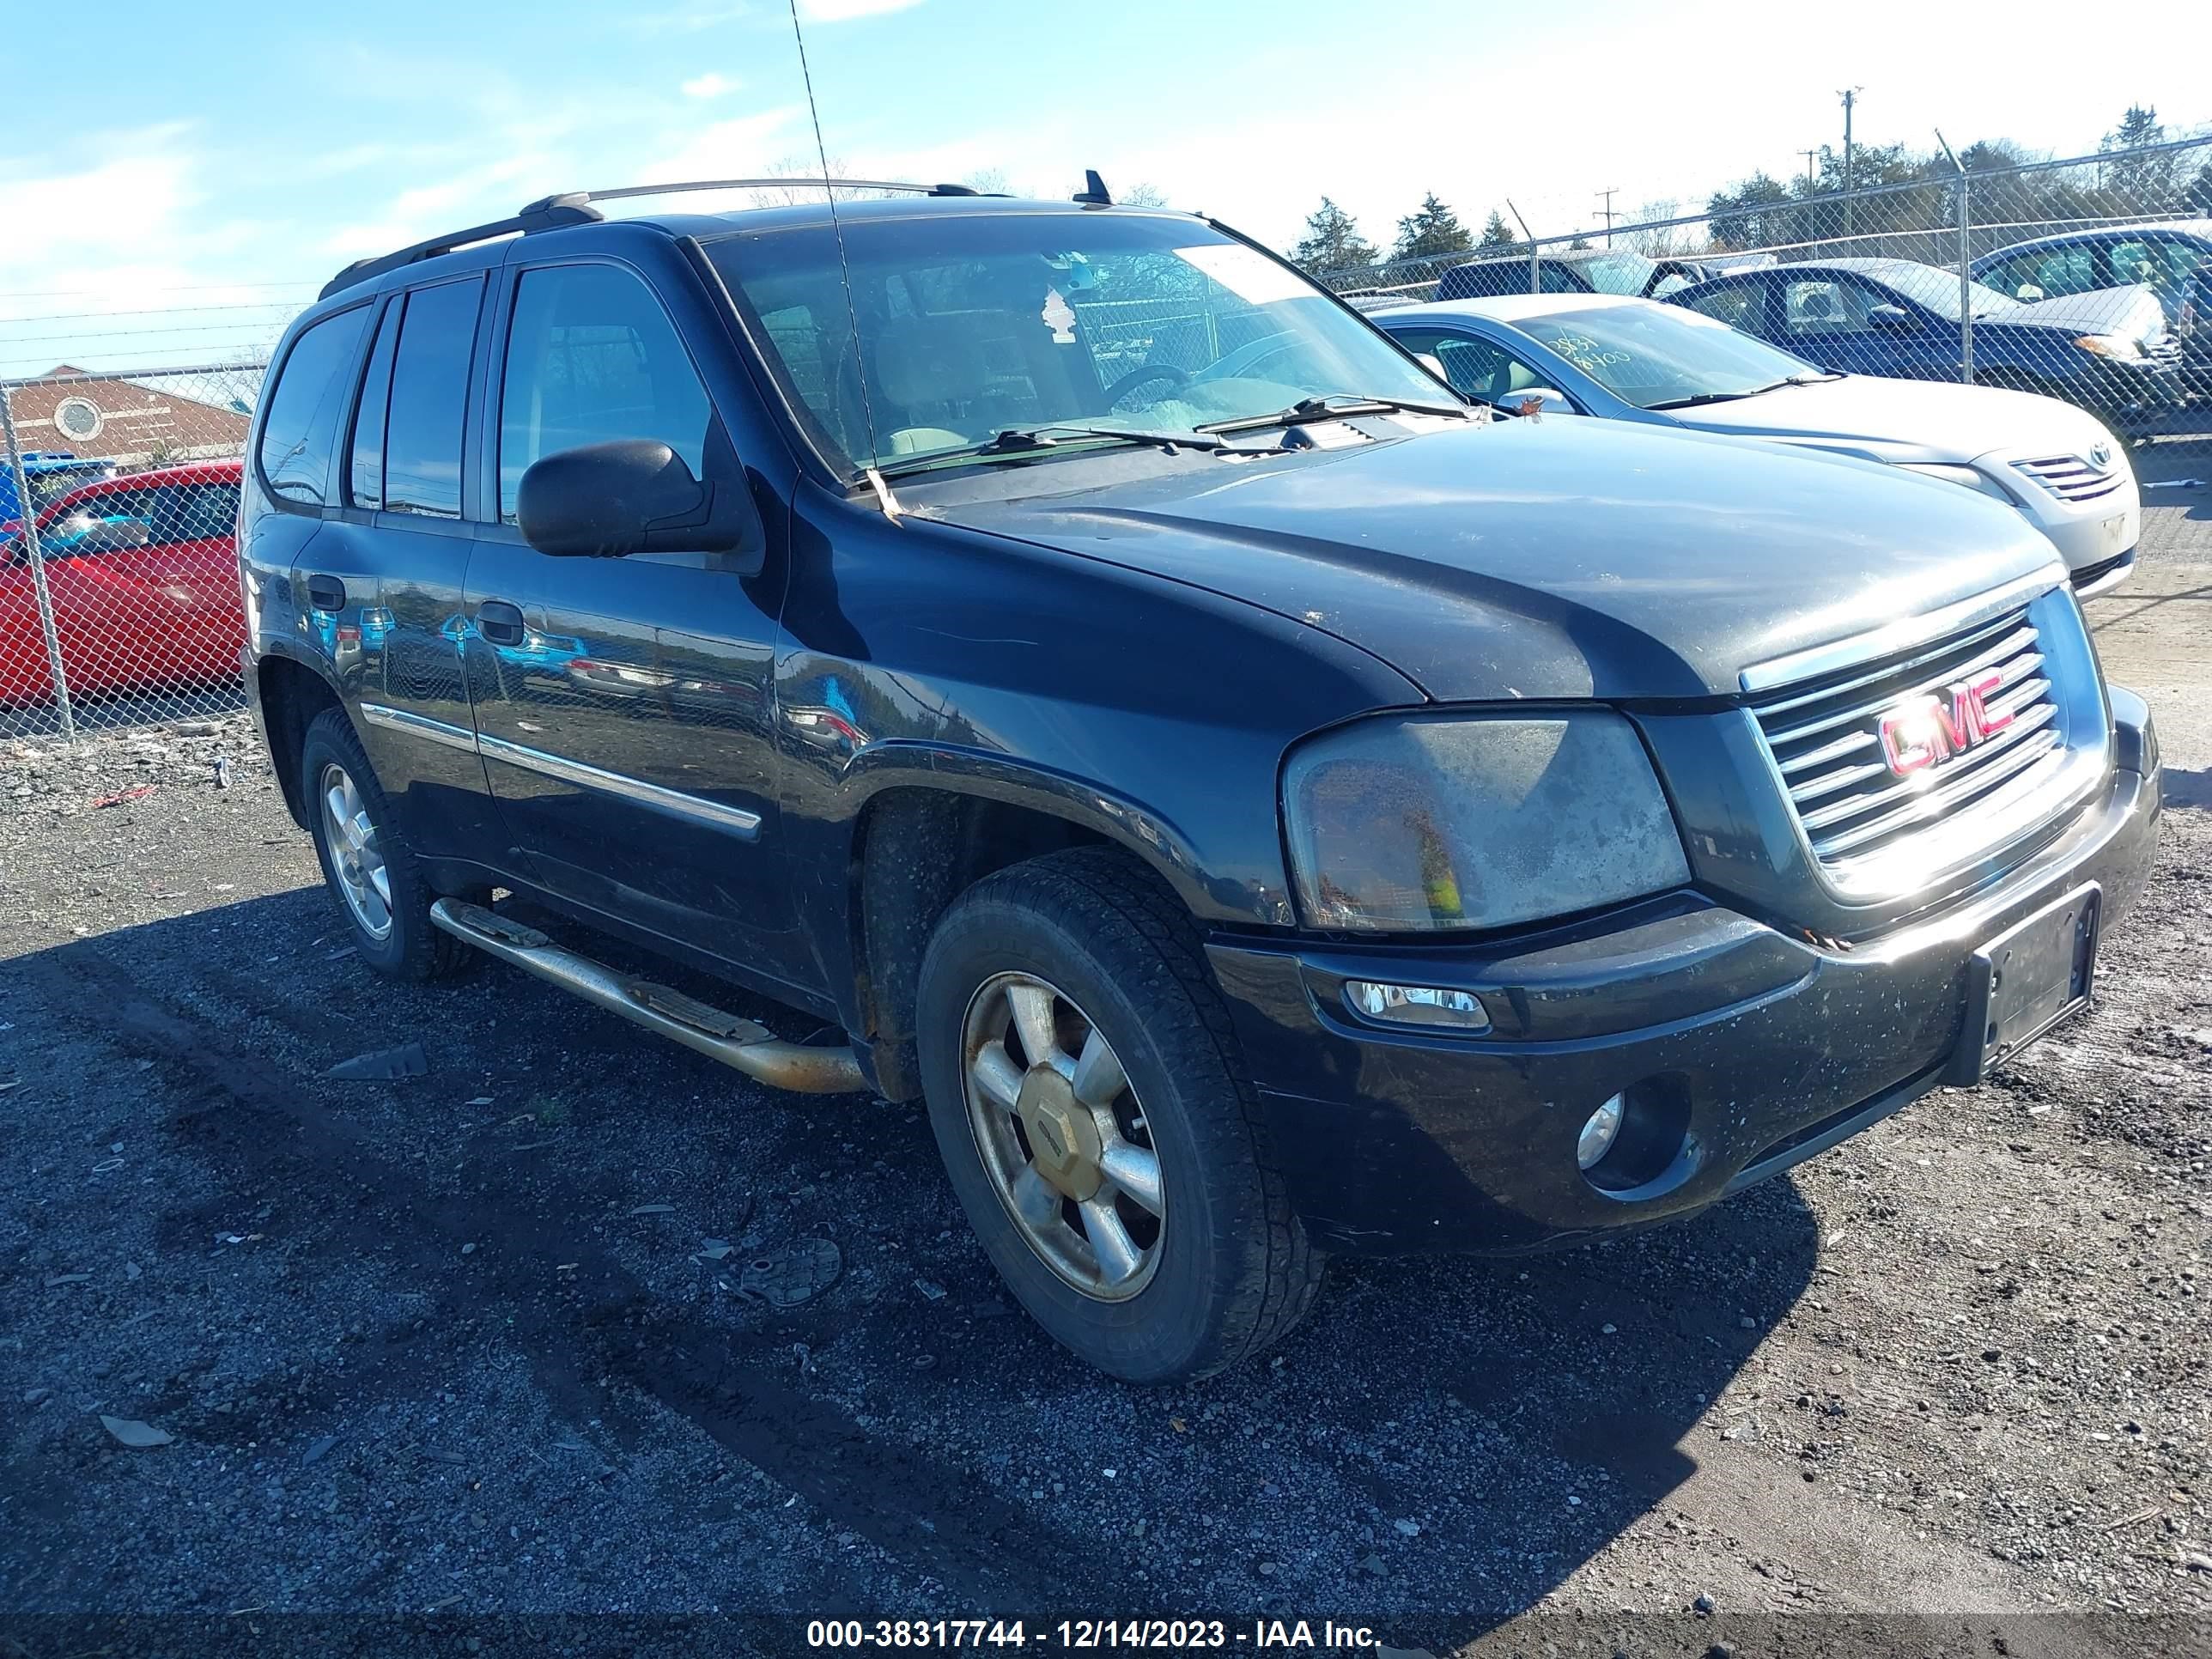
(1769, 1046)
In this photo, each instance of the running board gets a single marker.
(745, 1044)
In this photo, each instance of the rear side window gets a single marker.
(365, 470)
(590, 356)
(301, 427)
(429, 400)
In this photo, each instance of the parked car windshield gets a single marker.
(974, 323)
(1938, 290)
(1617, 273)
(48, 487)
(1648, 354)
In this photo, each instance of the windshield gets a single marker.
(50, 485)
(1648, 354)
(973, 323)
(1939, 290)
(1617, 273)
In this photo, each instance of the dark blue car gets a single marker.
(2108, 352)
(2172, 259)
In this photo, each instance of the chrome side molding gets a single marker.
(737, 820)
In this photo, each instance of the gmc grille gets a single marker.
(2069, 477)
(1826, 738)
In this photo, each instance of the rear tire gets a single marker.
(371, 870)
(1122, 1180)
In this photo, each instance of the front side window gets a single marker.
(429, 400)
(300, 429)
(2169, 265)
(113, 521)
(2045, 273)
(972, 324)
(1654, 356)
(592, 357)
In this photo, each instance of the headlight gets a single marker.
(1961, 475)
(2116, 346)
(1430, 822)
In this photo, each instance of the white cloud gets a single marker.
(713, 84)
(844, 11)
(744, 147)
(492, 190)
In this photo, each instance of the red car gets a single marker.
(143, 572)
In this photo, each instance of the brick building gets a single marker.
(141, 421)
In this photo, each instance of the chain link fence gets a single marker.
(2088, 279)
(119, 601)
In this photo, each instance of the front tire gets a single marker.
(1092, 1105)
(367, 864)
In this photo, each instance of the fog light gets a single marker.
(1417, 1004)
(1600, 1132)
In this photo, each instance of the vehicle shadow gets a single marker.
(2180, 787)
(1442, 1443)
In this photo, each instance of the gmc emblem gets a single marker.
(1925, 731)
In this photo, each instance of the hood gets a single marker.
(1905, 420)
(1550, 558)
(2132, 312)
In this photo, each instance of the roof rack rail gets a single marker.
(629, 191)
(546, 215)
(574, 207)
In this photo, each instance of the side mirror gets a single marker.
(1892, 319)
(607, 501)
(1536, 400)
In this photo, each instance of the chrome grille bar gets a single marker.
(1825, 737)
(2071, 477)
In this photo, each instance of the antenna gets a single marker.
(883, 496)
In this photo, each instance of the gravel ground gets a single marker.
(509, 1336)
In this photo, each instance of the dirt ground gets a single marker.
(505, 1338)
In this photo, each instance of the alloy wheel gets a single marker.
(362, 879)
(1062, 1136)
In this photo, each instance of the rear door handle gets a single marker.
(325, 593)
(499, 621)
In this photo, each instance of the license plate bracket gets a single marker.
(2027, 979)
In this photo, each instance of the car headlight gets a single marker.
(1430, 822)
(2119, 347)
(1962, 475)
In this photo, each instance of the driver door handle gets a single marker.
(499, 621)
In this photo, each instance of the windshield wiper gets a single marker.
(1704, 398)
(1334, 404)
(1028, 439)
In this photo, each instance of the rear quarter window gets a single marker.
(301, 425)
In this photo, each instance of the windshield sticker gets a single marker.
(1059, 317)
(1247, 273)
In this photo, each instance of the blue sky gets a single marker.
(179, 178)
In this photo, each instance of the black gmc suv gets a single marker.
(1262, 805)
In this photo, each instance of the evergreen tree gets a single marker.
(2143, 182)
(1497, 235)
(1333, 245)
(1431, 232)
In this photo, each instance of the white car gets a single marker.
(1637, 360)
